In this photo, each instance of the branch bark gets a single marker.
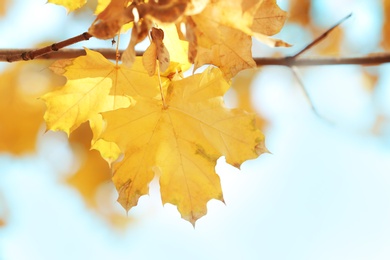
(10, 55)
(31, 54)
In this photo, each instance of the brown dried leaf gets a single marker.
(109, 22)
(156, 51)
(138, 34)
(269, 18)
(222, 46)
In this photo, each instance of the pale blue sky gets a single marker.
(322, 194)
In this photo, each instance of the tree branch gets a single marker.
(60, 54)
(370, 60)
(55, 51)
(30, 54)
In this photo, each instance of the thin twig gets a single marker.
(297, 76)
(32, 54)
(295, 70)
(373, 59)
(321, 37)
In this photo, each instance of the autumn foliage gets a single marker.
(150, 120)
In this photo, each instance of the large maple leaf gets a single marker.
(180, 139)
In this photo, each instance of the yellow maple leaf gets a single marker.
(78, 101)
(125, 80)
(71, 5)
(95, 85)
(181, 139)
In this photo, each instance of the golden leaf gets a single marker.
(182, 139)
(78, 101)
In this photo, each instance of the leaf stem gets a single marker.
(160, 85)
(321, 37)
(117, 54)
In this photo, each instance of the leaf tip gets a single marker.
(260, 148)
(192, 218)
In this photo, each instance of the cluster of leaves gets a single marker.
(20, 87)
(163, 123)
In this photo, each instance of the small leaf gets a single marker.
(269, 18)
(156, 52)
(149, 59)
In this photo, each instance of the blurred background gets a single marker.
(323, 193)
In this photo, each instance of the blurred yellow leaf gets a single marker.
(299, 11)
(93, 171)
(93, 175)
(22, 116)
(3, 7)
(242, 86)
(330, 47)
